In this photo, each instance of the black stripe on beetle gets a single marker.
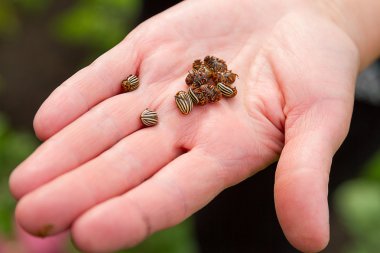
(149, 118)
(184, 102)
(227, 91)
(193, 97)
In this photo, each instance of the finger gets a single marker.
(53, 207)
(86, 88)
(81, 141)
(170, 196)
(301, 185)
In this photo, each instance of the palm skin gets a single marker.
(114, 182)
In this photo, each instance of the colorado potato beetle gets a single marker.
(184, 102)
(131, 83)
(226, 90)
(149, 118)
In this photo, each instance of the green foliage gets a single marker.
(372, 169)
(32, 6)
(9, 23)
(178, 239)
(1, 83)
(14, 147)
(96, 24)
(357, 203)
(174, 240)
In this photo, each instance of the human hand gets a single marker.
(114, 182)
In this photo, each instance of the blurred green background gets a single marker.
(43, 42)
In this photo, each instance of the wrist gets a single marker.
(361, 21)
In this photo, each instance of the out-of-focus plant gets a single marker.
(9, 22)
(175, 240)
(178, 239)
(96, 24)
(12, 10)
(372, 169)
(32, 6)
(358, 204)
(14, 147)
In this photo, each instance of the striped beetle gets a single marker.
(131, 83)
(226, 90)
(184, 102)
(149, 118)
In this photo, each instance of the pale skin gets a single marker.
(113, 182)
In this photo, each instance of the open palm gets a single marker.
(114, 182)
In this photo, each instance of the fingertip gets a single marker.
(46, 120)
(41, 128)
(84, 241)
(49, 118)
(23, 216)
(302, 209)
(16, 184)
(308, 242)
(61, 108)
(35, 217)
(97, 231)
(23, 179)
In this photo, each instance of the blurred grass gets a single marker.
(14, 147)
(178, 239)
(96, 24)
(357, 203)
(9, 23)
(32, 6)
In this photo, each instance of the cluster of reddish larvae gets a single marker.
(208, 82)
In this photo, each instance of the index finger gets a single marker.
(88, 87)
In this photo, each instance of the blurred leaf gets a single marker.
(6, 209)
(14, 147)
(356, 248)
(33, 6)
(178, 239)
(1, 83)
(97, 24)
(9, 23)
(372, 168)
(358, 204)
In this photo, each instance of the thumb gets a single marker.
(312, 136)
